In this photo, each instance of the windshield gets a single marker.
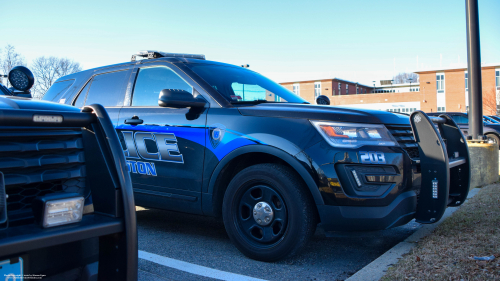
(240, 85)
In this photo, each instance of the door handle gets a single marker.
(134, 121)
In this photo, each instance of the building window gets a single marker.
(317, 89)
(466, 81)
(346, 89)
(440, 83)
(340, 89)
(497, 78)
(296, 89)
(441, 109)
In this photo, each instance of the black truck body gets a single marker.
(214, 139)
(54, 151)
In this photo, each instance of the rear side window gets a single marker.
(150, 81)
(57, 90)
(107, 89)
(460, 119)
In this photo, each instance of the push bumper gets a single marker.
(444, 162)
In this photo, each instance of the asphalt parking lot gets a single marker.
(198, 245)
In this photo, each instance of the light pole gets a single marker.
(474, 71)
(373, 87)
(410, 82)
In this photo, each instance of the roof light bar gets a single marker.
(149, 54)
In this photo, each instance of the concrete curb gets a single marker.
(377, 268)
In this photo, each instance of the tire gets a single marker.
(293, 220)
(494, 138)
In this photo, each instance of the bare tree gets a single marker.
(404, 77)
(10, 59)
(48, 69)
(490, 98)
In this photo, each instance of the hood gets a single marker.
(323, 112)
(23, 103)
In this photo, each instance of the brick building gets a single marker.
(437, 90)
(311, 89)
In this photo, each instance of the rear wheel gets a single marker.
(268, 213)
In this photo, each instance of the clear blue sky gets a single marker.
(358, 40)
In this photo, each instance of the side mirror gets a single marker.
(323, 100)
(178, 99)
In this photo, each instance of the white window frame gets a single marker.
(296, 89)
(317, 89)
(497, 86)
(466, 77)
(497, 78)
(440, 82)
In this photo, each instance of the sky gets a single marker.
(356, 40)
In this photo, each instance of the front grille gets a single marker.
(36, 162)
(404, 136)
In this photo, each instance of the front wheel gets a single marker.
(268, 213)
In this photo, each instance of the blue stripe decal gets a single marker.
(194, 134)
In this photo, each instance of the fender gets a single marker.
(207, 198)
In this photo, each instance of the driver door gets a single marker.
(164, 147)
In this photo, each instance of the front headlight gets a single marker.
(352, 135)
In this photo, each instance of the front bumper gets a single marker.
(356, 218)
(420, 187)
(25, 238)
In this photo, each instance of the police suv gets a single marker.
(215, 139)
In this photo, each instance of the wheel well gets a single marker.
(235, 166)
(494, 134)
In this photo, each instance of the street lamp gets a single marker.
(392, 85)
(410, 82)
(373, 87)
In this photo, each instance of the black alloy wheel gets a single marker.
(262, 214)
(268, 212)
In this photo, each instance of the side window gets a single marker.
(107, 89)
(150, 81)
(57, 90)
(80, 101)
(459, 119)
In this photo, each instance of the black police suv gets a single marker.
(491, 126)
(67, 210)
(215, 139)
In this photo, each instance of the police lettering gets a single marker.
(143, 168)
(166, 144)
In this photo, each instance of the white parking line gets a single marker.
(194, 269)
